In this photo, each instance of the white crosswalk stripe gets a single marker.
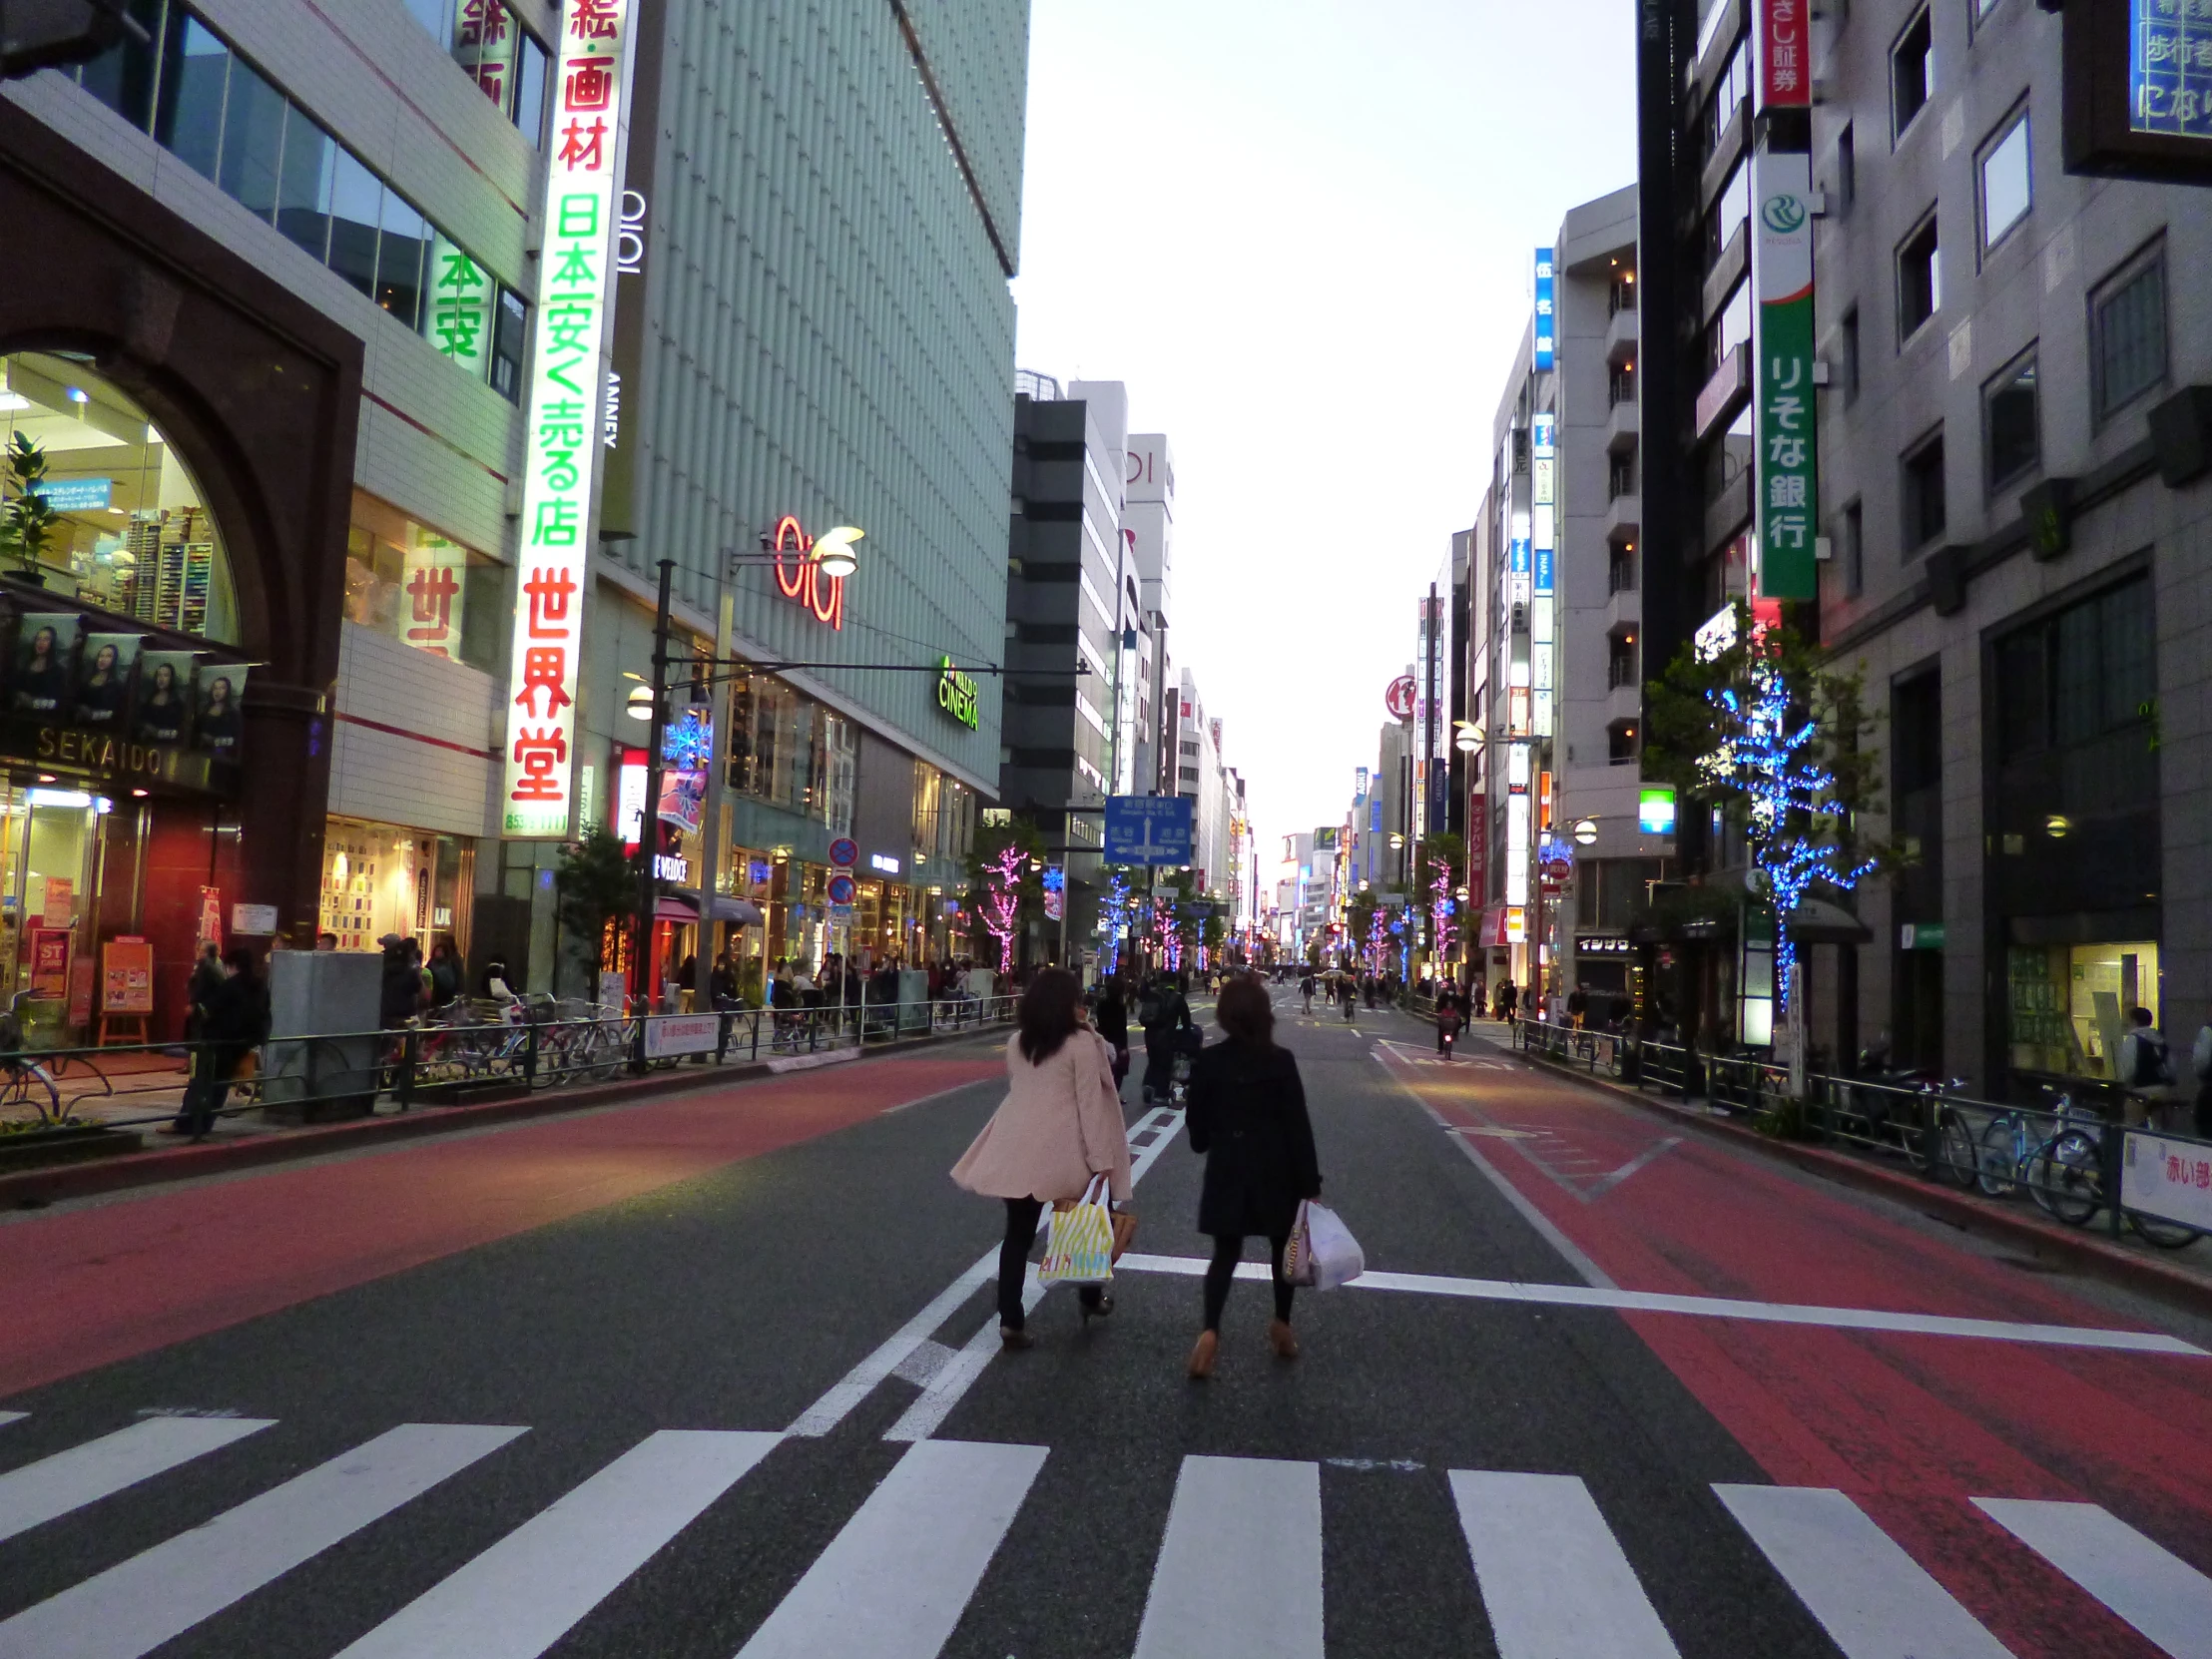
(134, 1607)
(1239, 1572)
(1873, 1600)
(521, 1596)
(1554, 1579)
(2162, 1596)
(83, 1474)
(895, 1581)
(7, 1417)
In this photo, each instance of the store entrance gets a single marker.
(53, 847)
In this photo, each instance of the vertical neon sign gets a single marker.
(567, 376)
(1546, 329)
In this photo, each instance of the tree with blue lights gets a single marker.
(1759, 724)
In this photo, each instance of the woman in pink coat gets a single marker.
(1059, 1125)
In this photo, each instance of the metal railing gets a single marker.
(471, 1051)
(2068, 1156)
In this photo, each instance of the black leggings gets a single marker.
(1221, 1272)
(1022, 1215)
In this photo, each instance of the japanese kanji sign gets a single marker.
(2169, 59)
(1785, 54)
(1782, 277)
(583, 186)
(1547, 334)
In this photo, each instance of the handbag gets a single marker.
(1321, 1253)
(1080, 1248)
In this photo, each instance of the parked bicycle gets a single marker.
(2063, 1170)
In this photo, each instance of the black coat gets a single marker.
(235, 1021)
(1248, 1116)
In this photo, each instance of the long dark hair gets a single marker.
(1246, 1012)
(1047, 1015)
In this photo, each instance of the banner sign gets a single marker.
(1546, 329)
(1785, 55)
(668, 1035)
(567, 376)
(2167, 1179)
(1781, 271)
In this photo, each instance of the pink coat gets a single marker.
(1059, 1125)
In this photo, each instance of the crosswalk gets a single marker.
(1237, 1566)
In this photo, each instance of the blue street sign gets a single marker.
(1148, 829)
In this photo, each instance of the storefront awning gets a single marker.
(737, 909)
(1816, 921)
(674, 908)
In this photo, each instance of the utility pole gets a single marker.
(649, 819)
(714, 844)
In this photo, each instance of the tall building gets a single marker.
(2011, 483)
(1148, 528)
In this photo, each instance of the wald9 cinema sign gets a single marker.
(567, 381)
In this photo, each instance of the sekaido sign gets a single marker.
(118, 759)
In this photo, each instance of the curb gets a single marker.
(34, 1188)
(2077, 1248)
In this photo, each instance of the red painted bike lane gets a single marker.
(87, 1287)
(1911, 1427)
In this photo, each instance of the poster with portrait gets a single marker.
(218, 725)
(162, 712)
(104, 679)
(41, 671)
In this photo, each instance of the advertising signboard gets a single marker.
(2137, 78)
(583, 154)
(2170, 1180)
(1782, 273)
(1546, 327)
(668, 1035)
(1785, 55)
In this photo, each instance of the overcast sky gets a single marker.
(1300, 231)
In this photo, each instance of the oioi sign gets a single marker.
(1782, 273)
(567, 378)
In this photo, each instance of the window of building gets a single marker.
(1620, 476)
(424, 589)
(1846, 169)
(1912, 70)
(1621, 570)
(227, 122)
(1851, 551)
(2006, 187)
(1620, 295)
(2127, 332)
(1919, 279)
(1620, 743)
(1922, 496)
(2079, 676)
(1847, 371)
(1620, 385)
(1620, 661)
(504, 59)
(2012, 429)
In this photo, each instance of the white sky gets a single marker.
(1300, 231)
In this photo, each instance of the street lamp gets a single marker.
(1586, 831)
(1468, 738)
(1398, 842)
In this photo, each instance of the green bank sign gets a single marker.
(1788, 480)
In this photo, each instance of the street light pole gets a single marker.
(649, 818)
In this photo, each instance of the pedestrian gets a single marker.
(207, 977)
(400, 994)
(1059, 1125)
(1247, 1117)
(1112, 1023)
(233, 1022)
(1449, 1016)
(1164, 1012)
(1509, 999)
(1347, 995)
(1306, 990)
(2146, 1071)
(446, 973)
(325, 941)
(1578, 1005)
(497, 982)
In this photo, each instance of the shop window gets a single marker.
(2127, 332)
(132, 532)
(2070, 1004)
(385, 878)
(424, 589)
(2011, 430)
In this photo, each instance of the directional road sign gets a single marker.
(1148, 829)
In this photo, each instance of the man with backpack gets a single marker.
(2146, 1070)
(1163, 1011)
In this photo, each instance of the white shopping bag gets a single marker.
(1080, 1248)
(1322, 1252)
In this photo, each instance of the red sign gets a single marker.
(1398, 700)
(802, 580)
(1785, 55)
(1479, 845)
(50, 961)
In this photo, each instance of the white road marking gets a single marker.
(524, 1593)
(1606, 1184)
(1239, 1572)
(1554, 1581)
(7, 1417)
(1870, 1597)
(2161, 1596)
(1715, 1307)
(84, 1473)
(135, 1606)
(894, 1583)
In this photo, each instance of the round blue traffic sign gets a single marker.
(841, 889)
(845, 853)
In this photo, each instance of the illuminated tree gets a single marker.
(1003, 886)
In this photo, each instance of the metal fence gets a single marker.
(475, 1050)
(2066, 1155)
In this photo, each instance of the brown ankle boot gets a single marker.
(1283, 1339)
(1202, 1355)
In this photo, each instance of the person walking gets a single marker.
(1248, 1117)
(1306, 988)
(1348, 993)
(1059, 1125)
(1112, 1023)
(206, 980)
(2146, 1071)
(233, 1021)
(1165, 1013)
(1509, 999)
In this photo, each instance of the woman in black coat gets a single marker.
(1248, 1116)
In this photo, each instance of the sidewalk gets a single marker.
(2182, 1277)
(248, 1139)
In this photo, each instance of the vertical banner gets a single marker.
(560, 444)
(1782, 274)
(1546, 329)
(1785, 55)
(1543, 526)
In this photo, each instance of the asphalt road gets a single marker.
(719, 1374)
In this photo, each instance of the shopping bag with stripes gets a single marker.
(1080, 1248)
